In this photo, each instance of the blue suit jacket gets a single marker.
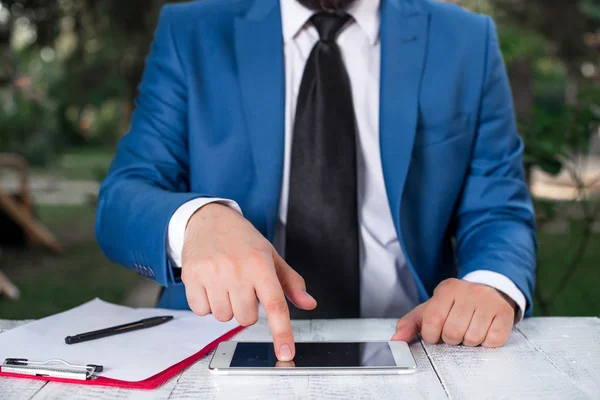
(209, 122)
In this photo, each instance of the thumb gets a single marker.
(409, 325)
(293, 284)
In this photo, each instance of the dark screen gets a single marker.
(315, 355)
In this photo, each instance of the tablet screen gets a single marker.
(316, 355)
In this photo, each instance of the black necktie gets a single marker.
(322, 220)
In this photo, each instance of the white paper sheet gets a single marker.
(132, 357)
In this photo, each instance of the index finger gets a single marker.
(271, 296)
(434, 318)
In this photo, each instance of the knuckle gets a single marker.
(452, 334)
(223, 315)
(434, 319)
(222, 263)
(472, 339)
(430, 337)
(298, 280)
(203, 311)
(507, 310)
(199, 309)
(295, 281)
(494, 339)
(200, 270)
(399, 324)
(189, 274)
(197, 305)
(461, 309)
(446, 285)
(247, 320)
(276, 306)
(476, 289)
(452, 281)
(257, 258)
(195, 301)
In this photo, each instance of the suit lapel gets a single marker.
(260, 62)
(404, 36)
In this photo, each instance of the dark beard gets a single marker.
(326, 5)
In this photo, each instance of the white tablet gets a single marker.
(314, 358)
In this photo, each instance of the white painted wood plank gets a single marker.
(572, 345)
(260, 332)
(353, 330)
(198, 383)
(518, 370)
(19, 389)
(61, 391)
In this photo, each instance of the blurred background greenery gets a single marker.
(69, 70)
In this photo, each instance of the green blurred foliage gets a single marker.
(106, 127)
(591, 8)
(29, 116)
(517, 43)
(554, 134)
(29, 128)
(98, 49)
(549, 36)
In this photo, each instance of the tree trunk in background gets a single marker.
(134, 77)
(522, 81)
(6, 65)
(521, 77)
(572, 88)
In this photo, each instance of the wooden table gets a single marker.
(550, 358)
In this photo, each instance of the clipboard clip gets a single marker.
(55, 368)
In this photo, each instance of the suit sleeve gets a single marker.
(495, 218)
(149, 178)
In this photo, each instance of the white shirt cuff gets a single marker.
(503, 284)
(179, 222)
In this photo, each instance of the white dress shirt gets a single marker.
(387, 286)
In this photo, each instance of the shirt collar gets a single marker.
(365, 12)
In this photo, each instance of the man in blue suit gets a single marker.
(362, 151)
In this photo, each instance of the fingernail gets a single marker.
(309, 296)
(285, 353)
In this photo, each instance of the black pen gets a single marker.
(116, 330)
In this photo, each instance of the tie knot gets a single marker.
(329, 24)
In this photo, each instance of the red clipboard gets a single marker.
(147, 384)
